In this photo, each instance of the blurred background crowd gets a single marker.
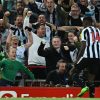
(46, 34)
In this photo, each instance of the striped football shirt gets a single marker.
(92, 37)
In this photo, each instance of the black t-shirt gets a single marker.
(74, 22)
(54, 77)
(83, 8)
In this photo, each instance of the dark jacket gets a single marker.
(51, 56)
(74, 22)
(83, 8)
(97, 14)
(72, 48)
(59, 16)
(54, 78)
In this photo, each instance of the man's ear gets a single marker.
(57, 65)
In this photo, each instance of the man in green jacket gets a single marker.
(9, 68)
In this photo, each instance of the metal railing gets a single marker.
(28, 82)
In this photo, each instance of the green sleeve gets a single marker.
(27, 71)
(1, 63)
(0, 69)
(2, 56)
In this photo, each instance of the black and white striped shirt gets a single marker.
(92, 37)
(21, 35)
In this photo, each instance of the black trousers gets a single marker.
(4, 82)
(92, 65)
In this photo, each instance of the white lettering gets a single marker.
(5, 93)
(24, 95)
(69, 95)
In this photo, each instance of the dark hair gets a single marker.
(56, 37)
(88, 21)
(41, 14)
(18, 16)
(61, 61)
(71, 31)
(39, 25)
(21, 2)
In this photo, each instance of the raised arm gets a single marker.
(8, 40)
(43, 52)
(30, 39)
(5, 19)
(28, 1)
(63, 28)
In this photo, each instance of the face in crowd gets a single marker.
(41, 31)
(20, 8)
(71, 37)
(56, 42)
(19, 21)
(29, 13)
(14, 41)
(41, 19)
(50, 5)
(75, 11)
(12, 53)
(94, 2)
(84, 2)
(62, 67)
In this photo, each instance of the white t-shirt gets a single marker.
(26, 22)
(20, 53)
(33, 57)
(48, 33)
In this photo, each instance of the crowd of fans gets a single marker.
(46, 35)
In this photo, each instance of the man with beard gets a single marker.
(42, 21)
(53, 13)
(17, 30)
(18, 11)
(74, 18)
